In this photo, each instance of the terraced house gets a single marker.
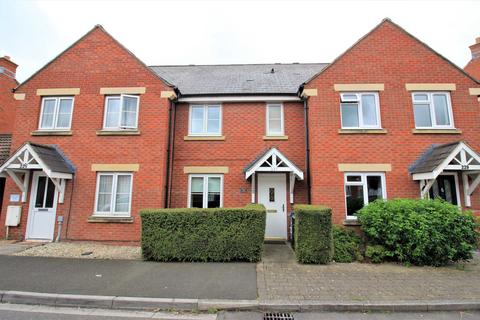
(99, 135)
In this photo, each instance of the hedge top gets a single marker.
(250, 207)
(319, 209)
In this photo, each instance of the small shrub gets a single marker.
(376, 253)
(313, 234)
(346, 245)
(419, 232)
(221, 234)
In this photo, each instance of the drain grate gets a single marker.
(277, 316)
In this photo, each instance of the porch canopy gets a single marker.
(32, 156)
(272, 160)
(455, 156)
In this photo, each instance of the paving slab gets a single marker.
(129, 278)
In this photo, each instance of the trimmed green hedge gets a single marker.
(419, 232)
(346, 245)
(190, 234)
(313, 234)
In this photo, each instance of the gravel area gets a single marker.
(84, 250)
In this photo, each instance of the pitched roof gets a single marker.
(53, 158)
(5, 143)
(433, 157)
(239, 79)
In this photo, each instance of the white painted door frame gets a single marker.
(29, 233)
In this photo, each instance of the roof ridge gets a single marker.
(240, 64)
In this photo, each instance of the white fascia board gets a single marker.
(237, 99)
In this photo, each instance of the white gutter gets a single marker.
(239, 99)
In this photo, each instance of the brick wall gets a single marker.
(96, 61)
(7, 103)
(389, 56)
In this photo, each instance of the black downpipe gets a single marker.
(307, 151)
(170, 145)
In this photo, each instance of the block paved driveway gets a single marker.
(128, 278)
(279, 277)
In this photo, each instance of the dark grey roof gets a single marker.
(252, 163)
(239, 79)
(5, 143)
(432, 157)
(53, 158)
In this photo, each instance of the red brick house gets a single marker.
(7, 111)
(473, 66)
(98, 136)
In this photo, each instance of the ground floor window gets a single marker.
(361, 189)
(114, 194)
(205, 191)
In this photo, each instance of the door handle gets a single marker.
(283, 207)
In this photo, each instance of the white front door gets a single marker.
(272, 194)
(43, 205)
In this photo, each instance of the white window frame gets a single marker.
(112, 212)
(282, 120)
(358, 101)
(119, 127)
(205, 120)
(205, 188)
(362, 183)
(55, 113)
(430, 95)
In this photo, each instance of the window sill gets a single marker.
(351, 222)
(51, 133)
(362, 131)
(118, 132)
(436, 131)
(106, 219)
(275, 137)
(204, 138)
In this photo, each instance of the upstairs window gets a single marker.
(205, 191)
(360, 110)
(205, 120)
(432, 110)
(121, 112)
(56, 113)
(275, 120)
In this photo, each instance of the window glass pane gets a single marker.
(349, 97)
(420, 97)
(40, 192)
(113, 112)
(129, 111)
(197, 184)
(196, 200)
(64, 112)
(441, 109)
(369, 110)
(275, 126)
(48, 113)
(374, 186)
(274, 112)
(213, 200)
(105, 186)
(354, 196)
(271, 194)
(349, 114)
(196, 125)
(422, 115)
(122, 198)
(354, 178)
(50, 194)
(213, 184)
(213, 118)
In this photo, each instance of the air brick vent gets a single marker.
(277, 316)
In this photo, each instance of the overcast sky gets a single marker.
(218, 32)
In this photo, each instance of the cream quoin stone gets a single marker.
(359, 87)
(58, 92)
(364, 167)
(19, 96)
(123, 90)
(474, 91)
(120, 167)
(206, 170)
(430, 86)
(168, 95)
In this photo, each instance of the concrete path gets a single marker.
(280, 277)
(10, 247)
(128, 278)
